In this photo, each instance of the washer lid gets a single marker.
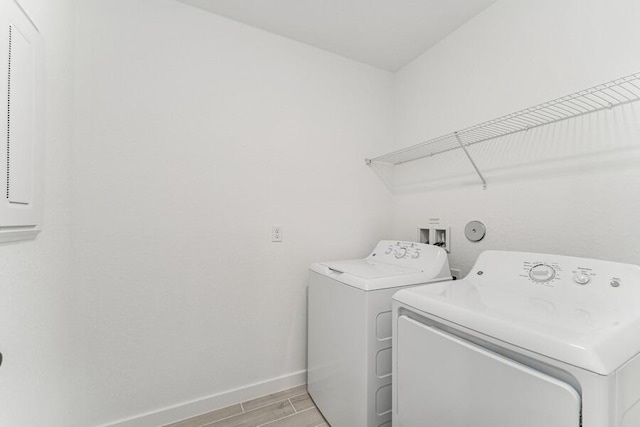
(367, 269)
(391, 264)
(593, 325)
(370, 275)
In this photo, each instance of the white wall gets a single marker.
(571, 188)
(35, 277)
(194, 134)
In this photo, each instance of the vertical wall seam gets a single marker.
(9, 115)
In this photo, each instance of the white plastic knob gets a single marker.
(542, 273)
(581, 278)
(400, 252)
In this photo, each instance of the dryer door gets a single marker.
(445, 381)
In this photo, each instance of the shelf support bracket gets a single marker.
(466, 152)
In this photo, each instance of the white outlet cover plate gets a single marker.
(276, 233)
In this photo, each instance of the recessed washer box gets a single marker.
(22, 124)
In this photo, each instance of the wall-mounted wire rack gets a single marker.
(605, 96)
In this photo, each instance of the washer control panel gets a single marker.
(400, 250)
(409, 254)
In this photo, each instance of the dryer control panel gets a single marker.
(498, 268)
(569, 272)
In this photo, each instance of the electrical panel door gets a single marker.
(22, 132)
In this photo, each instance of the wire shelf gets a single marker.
(605, 96)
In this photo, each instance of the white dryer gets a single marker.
(349, 340)
(525, 340)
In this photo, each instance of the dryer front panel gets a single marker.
(445, 381)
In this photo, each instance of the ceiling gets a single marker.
(387, 34)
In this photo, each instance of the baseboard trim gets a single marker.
(211, 403)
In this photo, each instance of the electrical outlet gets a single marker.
(276, 233)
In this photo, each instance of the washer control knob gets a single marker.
(581, 278)
(542, 273)
(400, 252)
(615, 283)
(415, 255)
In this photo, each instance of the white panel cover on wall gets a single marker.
(22, 132)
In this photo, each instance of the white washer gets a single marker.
(349, 353)
(527, 340)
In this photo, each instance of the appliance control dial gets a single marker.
(400, 252)
(542, 273)
(581, 278)
(415, 255)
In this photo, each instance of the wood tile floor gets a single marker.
(288, 408)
